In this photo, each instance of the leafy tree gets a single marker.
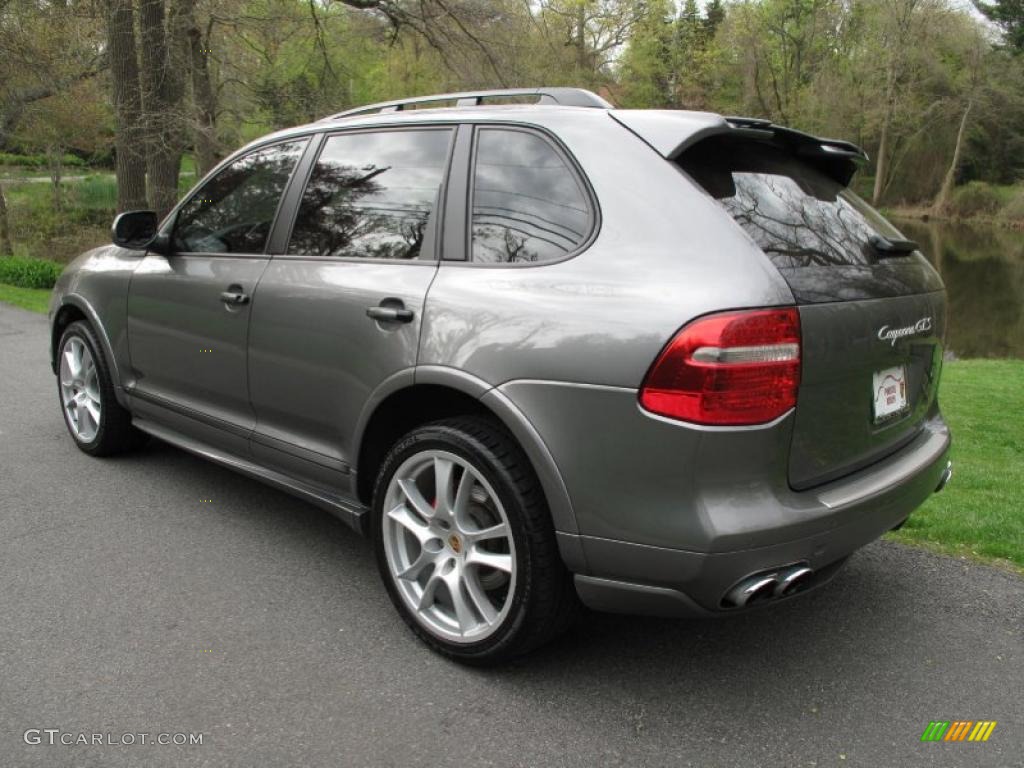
(1009, 16)
(995, 145)
(714, 15)
(779, 46)
(55, 125)
(648, 69)
(919, 83)
(671, 58)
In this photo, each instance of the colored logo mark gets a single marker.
(958, 730)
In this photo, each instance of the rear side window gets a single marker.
(528, 204)
(371, 195)
(798, 216)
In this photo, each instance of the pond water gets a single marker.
(983, 269)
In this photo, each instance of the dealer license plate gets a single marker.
(890, 387)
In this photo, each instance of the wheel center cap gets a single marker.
(455, 543)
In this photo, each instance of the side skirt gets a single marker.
(349, 512)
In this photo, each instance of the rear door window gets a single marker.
(813, 229)
(529, 206)
(371, 195)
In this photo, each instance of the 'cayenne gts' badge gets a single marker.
(885, 333)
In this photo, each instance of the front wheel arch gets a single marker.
(65, 316)
(74, 308)
(114, 432)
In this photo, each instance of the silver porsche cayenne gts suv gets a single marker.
(543, 352)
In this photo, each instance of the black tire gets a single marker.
(115, 433)
(544, 601)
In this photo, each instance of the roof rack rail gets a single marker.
(567, 97)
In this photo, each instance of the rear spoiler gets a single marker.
(672, 132)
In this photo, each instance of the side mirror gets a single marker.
(137, 230)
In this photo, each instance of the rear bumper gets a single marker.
(669, 516)
(637, 578)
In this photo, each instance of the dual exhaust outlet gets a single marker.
(768, 585)
(788, 579)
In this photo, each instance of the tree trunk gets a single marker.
(882, 163)
(204, 98)
(55, 157)
(124, 72)
(163, 62)
(582, 64)
(5, 228)
(935, 236)
(942, 201)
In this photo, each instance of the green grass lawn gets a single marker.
(980, 514)
(35, 299)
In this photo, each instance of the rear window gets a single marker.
(813, 229)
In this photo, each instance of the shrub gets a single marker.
(36, 161)
(29, 273)
(23, 161)
(976, 198)
(1014, 208)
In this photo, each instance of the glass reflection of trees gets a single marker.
(527, 204)
(797, 215)
(371, 194)
(233, 212)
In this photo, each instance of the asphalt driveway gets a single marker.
(158, 593)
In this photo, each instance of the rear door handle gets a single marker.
(390, 314)
(234, 297)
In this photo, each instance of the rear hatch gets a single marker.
(872, 310)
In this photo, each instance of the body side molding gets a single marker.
(347, 510)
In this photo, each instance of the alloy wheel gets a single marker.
(80, 389)
(449, 546)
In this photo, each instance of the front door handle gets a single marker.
(234, 297)
(390, 314)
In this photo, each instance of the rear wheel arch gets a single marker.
(475, 571)
(428, 400)
(398, 413)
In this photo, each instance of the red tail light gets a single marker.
(728, 369)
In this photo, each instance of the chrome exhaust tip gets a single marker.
(767, 585)
(752, 590)
(792, 580)
(946, 476)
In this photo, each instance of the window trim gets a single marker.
(594, 213)
(457, 197)
(277, 243)
(171, 222)
(437, 216)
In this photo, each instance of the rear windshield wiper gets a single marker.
(887, 248)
